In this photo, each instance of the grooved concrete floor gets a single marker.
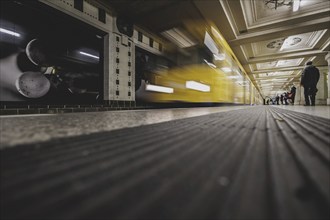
(256, 163)
(23, 129)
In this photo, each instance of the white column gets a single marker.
(299, 99)
(251, 93)
(327, 58)
(322, 86)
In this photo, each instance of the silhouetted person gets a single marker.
(282, 98)
(293, 93)
(277, 99)
(286, 96)
(309, 79)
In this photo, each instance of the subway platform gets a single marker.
(239, 162)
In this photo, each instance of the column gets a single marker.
(322, 94)
(299, 99)
(327, 58)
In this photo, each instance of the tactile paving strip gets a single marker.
(256, 163)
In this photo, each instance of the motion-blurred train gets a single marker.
(205, 70)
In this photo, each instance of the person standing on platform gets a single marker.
(277, 99)
(309, 79)
(286, 98)
(293, 93)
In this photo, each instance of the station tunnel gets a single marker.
(165, 109)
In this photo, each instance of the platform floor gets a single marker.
(260, 162)
(23, 129)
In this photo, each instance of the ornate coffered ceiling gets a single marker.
(259, 13)
(299, 42)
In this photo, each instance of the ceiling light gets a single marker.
(208, 41)
(226, 69)
(162, 89)
(89, 55)
(9, 32)
(179, 38)
(280, 80)
(216, 33)
(296, 4)
(219, 56)
(234, 77)
(274, 4)
(210, 64)
(282, 62)
(197, 86)
(290, 42)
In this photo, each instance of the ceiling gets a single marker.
(272, 44)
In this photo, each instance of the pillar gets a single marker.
(322, 86)
(327, 58)
(299, 99)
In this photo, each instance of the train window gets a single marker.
(140, 36)
(79, 5)
(125, 26)
(151, 42)
(75, 58)
(102, 15)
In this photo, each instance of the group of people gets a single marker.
(285, 98)
(309, 79)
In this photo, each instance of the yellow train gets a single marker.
(205, 72)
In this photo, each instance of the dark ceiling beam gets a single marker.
(152, 12)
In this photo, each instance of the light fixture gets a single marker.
(296, 4)
(290, 42)
(281, 63)
(234, 77)
(197, 86)
(226, 69)
(89, 55)
(279, 80)
(219, 56)
(9, 32)
(210, 64)
(243, 82)
(208, 41)
(216, 33)
(179, 37)
(274, 4)
(162, 89)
